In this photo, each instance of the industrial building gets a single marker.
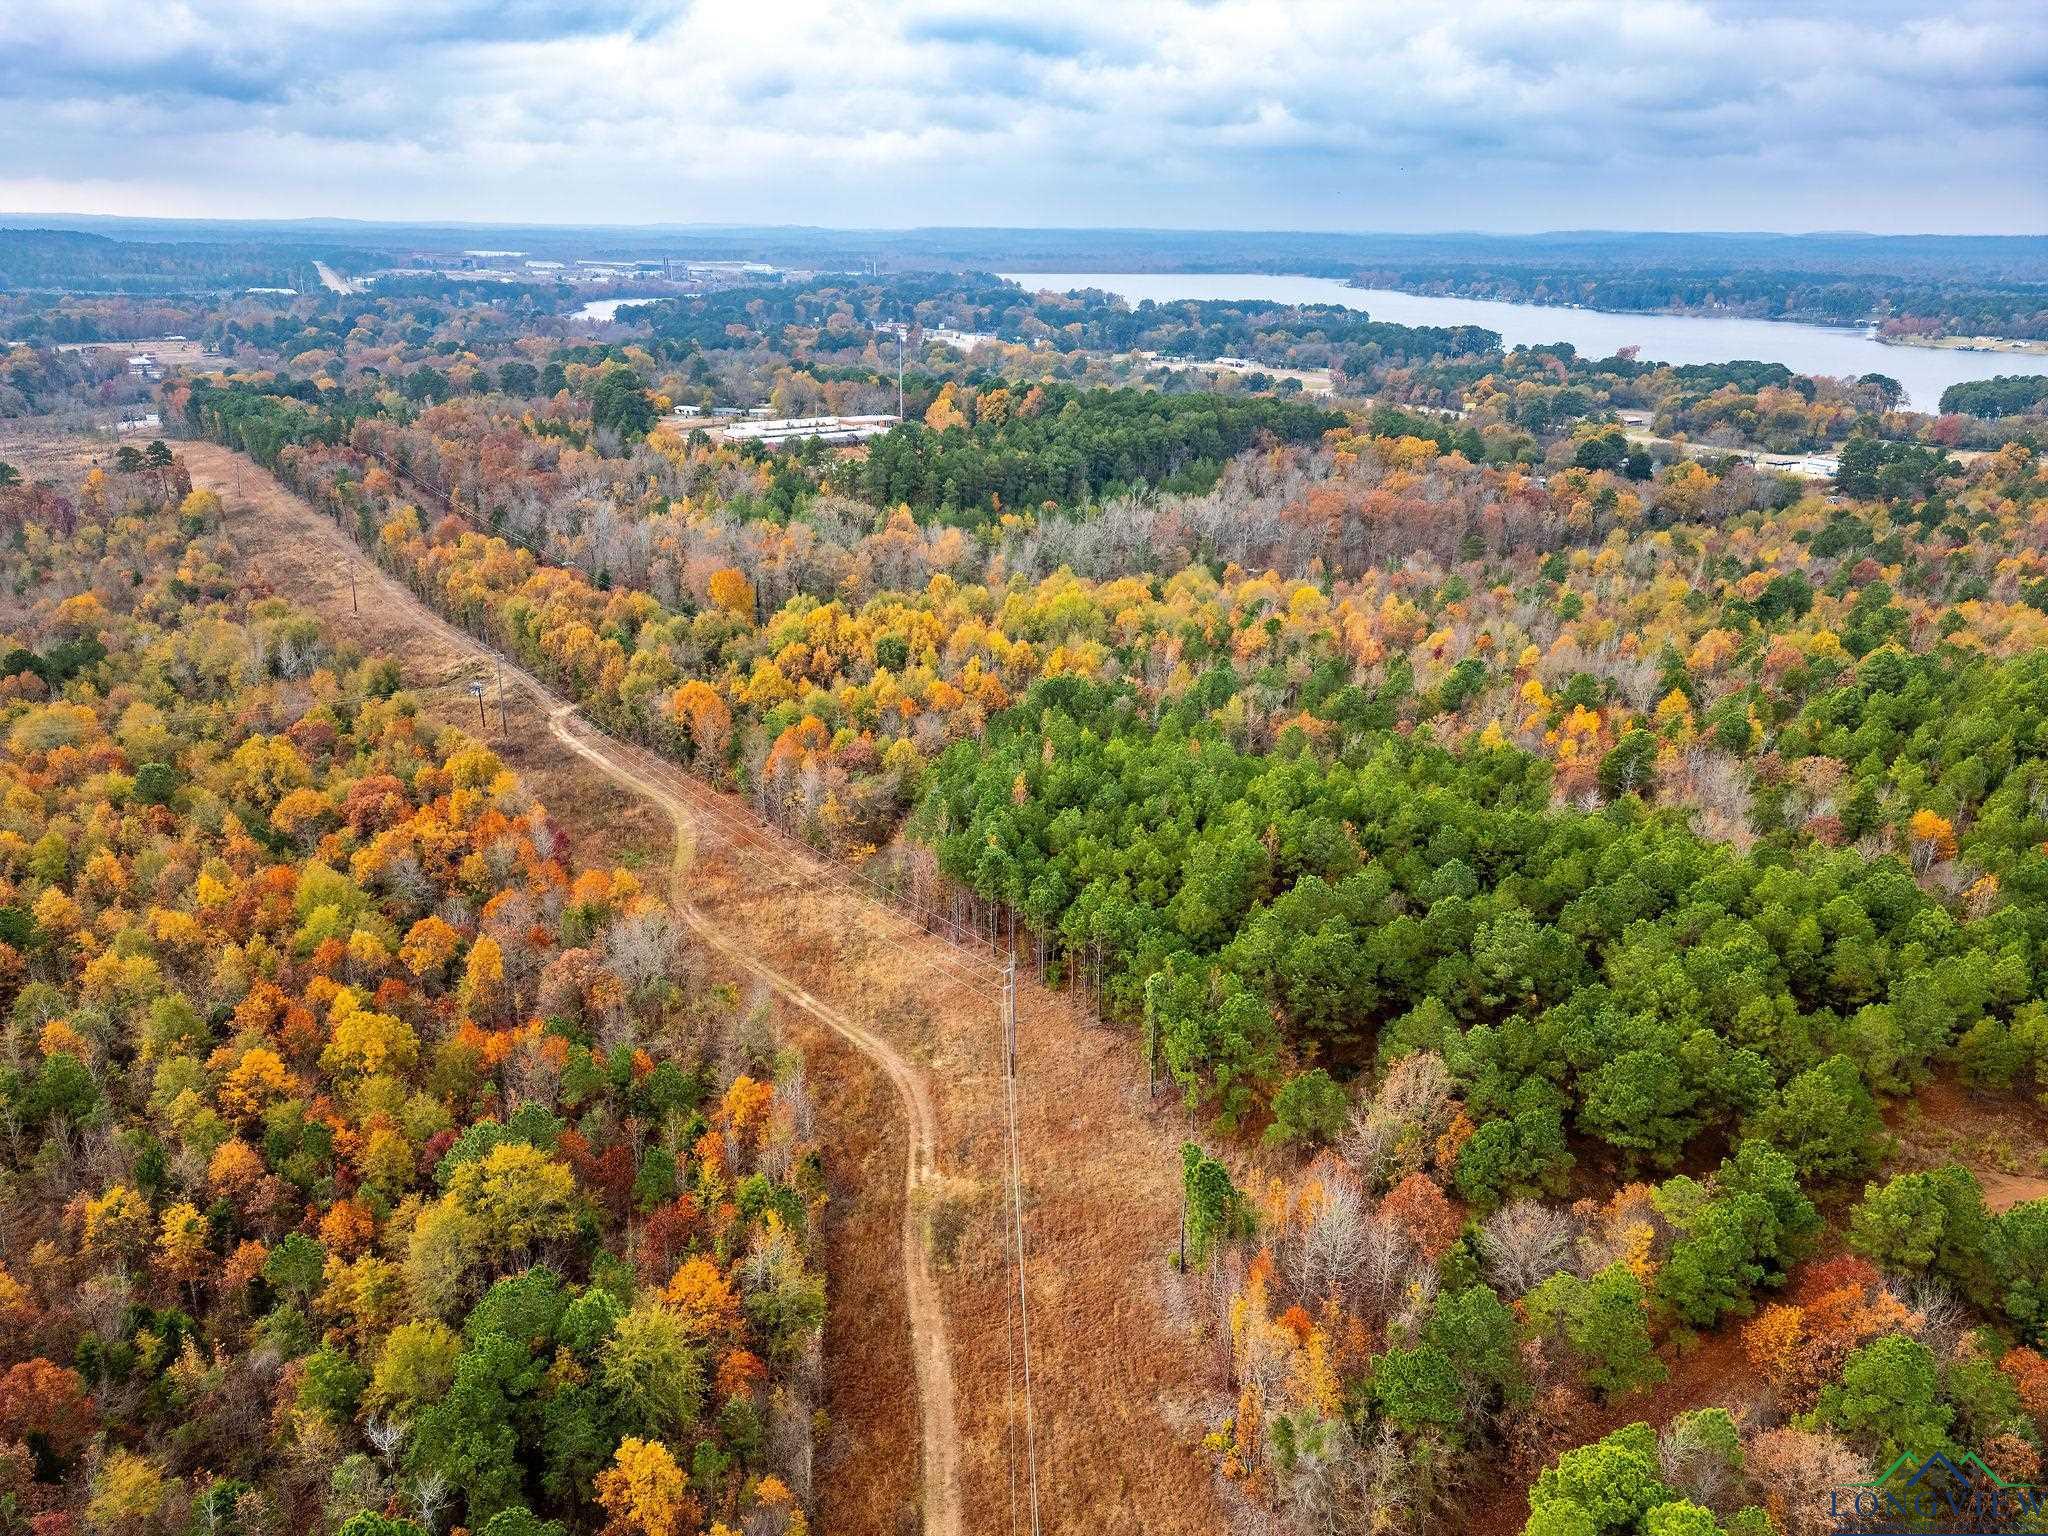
(791, 429)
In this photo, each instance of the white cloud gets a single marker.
(1236, 113)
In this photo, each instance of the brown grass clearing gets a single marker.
(2000, 1137)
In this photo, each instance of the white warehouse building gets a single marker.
(791, 429)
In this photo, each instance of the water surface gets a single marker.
(1924, 371)
(606, 309)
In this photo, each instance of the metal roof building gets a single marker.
(790, 429)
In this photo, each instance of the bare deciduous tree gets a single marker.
(1387, 1260)
(1698, 1468)
(1331, 1247)
(1940, 1318)
(430, 1493)
(641, 948)
(1796, 1470)
(387, 1439)
(1523, 1244)
(1395, 1131)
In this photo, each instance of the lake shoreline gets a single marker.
(2008, 346)
(1853, 328)
(1923, 373)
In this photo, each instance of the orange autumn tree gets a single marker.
(1419, 1208)
(279, 929)
(700, 1292)
(429, 945)
(1932, 838)
(703, 712)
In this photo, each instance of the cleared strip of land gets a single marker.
(1123, 1381)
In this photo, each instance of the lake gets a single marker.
(1924, 371)
(606, 309)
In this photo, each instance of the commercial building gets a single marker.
(962, 341)
(778, 430)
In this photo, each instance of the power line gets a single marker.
(748, 840)
(833, 870)
(1017, 1224)
(1010, 1293)
(741, 836)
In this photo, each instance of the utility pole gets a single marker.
(1184, 1198)
(902, 336)
(1183, 1223)
(483, 721)
(353, 605)
(1010, 1017)
(499, 662)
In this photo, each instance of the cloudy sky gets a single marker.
(1251, 114)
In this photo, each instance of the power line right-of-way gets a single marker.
(965, 965)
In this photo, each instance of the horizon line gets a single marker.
(713, 226)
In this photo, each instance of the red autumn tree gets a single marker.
(1419, 1209)
(46, 1404)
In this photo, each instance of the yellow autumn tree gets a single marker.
(298, 811)
(518, 1194)
(732, 592)
(128, 1493)
(116, 1223)
(257, 1080)
(645, 1492)
(181, 1240)
(944, 413)
(483, 979)
(746, 1100)
(368, 1042)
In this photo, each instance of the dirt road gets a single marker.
(656, 781)
(1124, 1383)
(649, 776)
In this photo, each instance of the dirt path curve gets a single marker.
(656, 781)
(927, 1317)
